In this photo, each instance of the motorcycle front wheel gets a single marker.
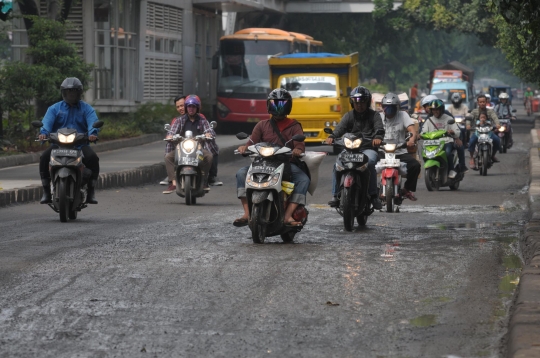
(503, 144)
(389, 192)
(288, 237)
(347, 205)
(188, 189)
(63, 201)
(258, 225)
(485, 161)
(429, 178)
(362, 219)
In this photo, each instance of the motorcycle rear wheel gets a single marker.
(485, 161)
(63, 201)
(347, 205)
(258, 227)
(455, 186)
(429, 176)
(288, 237)
(188, 189)
(389, 192)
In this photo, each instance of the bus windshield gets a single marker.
(243, 67)
(309, 86)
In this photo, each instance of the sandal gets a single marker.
(240, 222)
(293, 224)
(409, 195)
(472, 165)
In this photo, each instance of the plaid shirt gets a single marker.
(178, 125)
(169, 147)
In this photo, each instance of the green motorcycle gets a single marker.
(436, 163)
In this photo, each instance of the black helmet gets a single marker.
(72, 90)
(279, 102)
(360, 94)
(456, 99)
(390, 104)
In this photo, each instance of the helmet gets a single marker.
(488, 97)
(193, 100)
(456, 99)
(72, 90)
(427, 99)
(279, 102)
(436, 104)
(359, 94)
(504, 95)
(390, 103)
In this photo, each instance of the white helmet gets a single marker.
(504, 95)
(488, 97)
(428, 99)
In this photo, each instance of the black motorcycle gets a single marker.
(353, 166)
(70, 177)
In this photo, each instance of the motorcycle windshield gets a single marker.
(434, 135)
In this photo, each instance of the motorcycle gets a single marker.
(504, 133)
(484, 148)
(268, 188)
(188, 155)
(391, 171)
(354, 184)
(436, 163)
(70, 177)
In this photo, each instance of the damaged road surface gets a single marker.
(142, 273)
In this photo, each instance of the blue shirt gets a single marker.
(61, 115)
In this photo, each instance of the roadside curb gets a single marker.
(31, 158)
(524, 325)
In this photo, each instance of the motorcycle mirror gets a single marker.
(37, 124)
(98, 124)
(514, 110)
(328, 130)
(213, 124)
(167, 127)
(451, 121)
(241, 135)
(299, 138)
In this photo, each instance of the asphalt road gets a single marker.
(142, 273)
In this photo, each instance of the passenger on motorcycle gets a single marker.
(504, 110)
(481, 100)
(71, 112)
(397, 123)
(169, 147)
(195, 122)
(458, 108)
(361, 120)
(279, 104)
(439, 120)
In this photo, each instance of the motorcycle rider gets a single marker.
(361, 120)
(504, 109)
(196, 123)
(397, 123)
(481, 101)
(279, 104)
(439, 120)
(71, 112)
(459, 109)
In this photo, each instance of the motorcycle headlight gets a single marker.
(431, 154)
(266, 151)
(188, 146)
(75, 162)
(352, 144)
(66, 138)
(390, 147)
(502, 129)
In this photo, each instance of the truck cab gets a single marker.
(445, 90)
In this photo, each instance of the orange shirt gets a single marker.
(414, 92)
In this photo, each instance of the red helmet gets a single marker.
(193, 100)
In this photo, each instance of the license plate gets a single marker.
(391, 162)
(431, 142)
(65, 153)
(188, 161)
(356, 157)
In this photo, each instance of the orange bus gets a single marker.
(243, 73)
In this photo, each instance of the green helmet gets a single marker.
(436, 104)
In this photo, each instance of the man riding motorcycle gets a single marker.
(196, 123)
(364, 121)
(397, 123)
(279, 105)
(481, 100)
(439, 120)
(74, 113)
(458, 108)
(504, 110)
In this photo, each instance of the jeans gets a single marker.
(448, 148)
(213, 168)
(496, 143)
(413, 170)
(373, 157)
(298, 177)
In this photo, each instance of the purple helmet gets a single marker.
(193, 100)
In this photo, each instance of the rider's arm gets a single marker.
(342, 126)
(493, 117)
(91, 117)
(297, 129)
(49, 119)
(206, 126)
(378, 125)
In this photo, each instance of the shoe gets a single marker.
(47, 196)
(495, 160)
(91, 194)
(377, 205)
(170, 189)
(164, 181)
(240, 222)
(334, 202)
(464, 169)
(206, 188)
(409, 195)
(214, 181)
(452, 174)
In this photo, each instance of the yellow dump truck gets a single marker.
(320, 84)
